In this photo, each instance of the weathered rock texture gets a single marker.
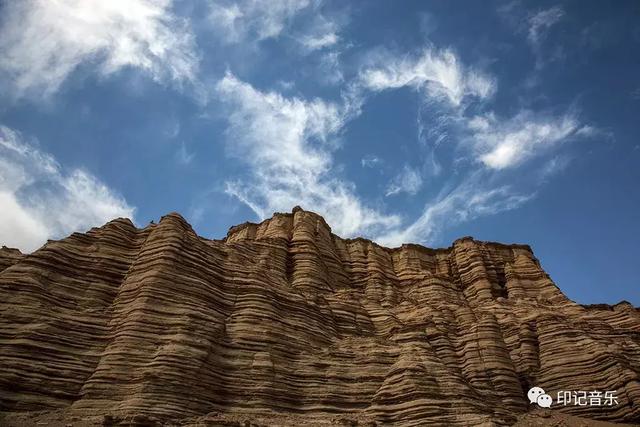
(285, 318)
(9, 256)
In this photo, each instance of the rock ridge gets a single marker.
(286, 319)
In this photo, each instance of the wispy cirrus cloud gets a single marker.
(486, 144)
(288, 144)
(42, 42)
(538, 27)
(306, 27)
(408, 181)
(492, 146)
(41, 200)
(370, 161)
(541, 21)
(554, 166)
(438, 73)
(253, 20)
(247, 21)
(501, 144)
(469, 200)
(322, 31)
(319, 41)
(183, 156)
(320, 36)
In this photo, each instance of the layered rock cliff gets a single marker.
(285, 319)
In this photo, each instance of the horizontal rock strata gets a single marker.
(9, 256)
(284, 317)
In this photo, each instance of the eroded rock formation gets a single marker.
(284, 318)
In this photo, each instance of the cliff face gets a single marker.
(286, 318)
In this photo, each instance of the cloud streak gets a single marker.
(42, 42)
(539, 25)
(502, 144)
(41, 200)
(321, 41)
(540, 22)
(253, 20)
(288, 144)
(465, 202)
(485, 144)
(437, 73)
(408, 181)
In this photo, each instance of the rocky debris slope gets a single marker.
(286, 318)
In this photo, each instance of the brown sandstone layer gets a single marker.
(9, 256)
(285, 319)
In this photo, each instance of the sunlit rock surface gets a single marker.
(285, 319)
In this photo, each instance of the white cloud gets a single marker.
(409, 181)
(554, 166)
(319, 35)
(320, 32)
(183, 156)
(42, 41)
(370, 161)
(330, 70)
(438, 73)
(18, 227)
(494, 143)
(287, 143)
(430, 136)
(539, 25)
(40, 200)
(501, 144)
(540, 22)
(469, 200)
(238, 21)
(246, 23)
(256, 20)
(315, 42)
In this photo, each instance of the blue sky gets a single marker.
(412, 121)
